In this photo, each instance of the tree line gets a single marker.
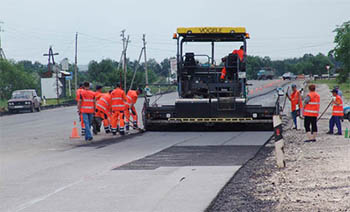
(26, 74)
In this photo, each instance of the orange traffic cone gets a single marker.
(75, 131)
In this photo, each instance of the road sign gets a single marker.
(70, 77)
(65, 64)
(173, 66)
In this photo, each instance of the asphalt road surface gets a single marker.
(41, 169)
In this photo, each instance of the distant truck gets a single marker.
(265, 74)
(24, 100)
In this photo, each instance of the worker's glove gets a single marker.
(333, 98)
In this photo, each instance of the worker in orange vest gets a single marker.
(96, 122)
(337, 113)
(103, 112)
(311, 111)
(131, 98)
(98, 92)
(77, 97)
(118, 107)
(296, 104)
(240, 53)
(86, 106)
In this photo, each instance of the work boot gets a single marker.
(339, 133)
(114, 131)
(127, 127)
(83, 132)
(121, 131)
(107, 130)
(94, 131)
(329, 133)
(135, 125)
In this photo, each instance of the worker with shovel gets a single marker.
(337, 113)
(296, 104)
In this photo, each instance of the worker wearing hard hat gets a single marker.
(118, 107)
(130, 107)
(296, 104)
(337, 113)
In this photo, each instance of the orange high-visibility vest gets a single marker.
(295, 97)
(104, 103)
(313, 107)
(98, 95)
(118, 99)
(240, 53)
(223, 73)
(77, 94)
(338, 109)
(131, 98)
(87, 101)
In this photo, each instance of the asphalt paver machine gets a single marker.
(206, 102)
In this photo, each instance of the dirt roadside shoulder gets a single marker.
(316, 177)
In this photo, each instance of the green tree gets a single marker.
(13, 77)
(341, 52)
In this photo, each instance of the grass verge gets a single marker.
(344, 87)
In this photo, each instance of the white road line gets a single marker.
(39, 199)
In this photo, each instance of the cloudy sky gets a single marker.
(278, 28)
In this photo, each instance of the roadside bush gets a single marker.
(14, 78)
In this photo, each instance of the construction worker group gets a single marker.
(113, 109)
(310, 109)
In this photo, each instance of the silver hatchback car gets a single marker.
(24, 100)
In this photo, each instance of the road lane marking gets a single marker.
(39, 199)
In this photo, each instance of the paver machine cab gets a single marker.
(205, 101)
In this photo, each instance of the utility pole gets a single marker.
(122, 35)
(125, 62)
(123, 56)
(51, 55)
(2, 53)
(76, 63)
(144, 51)
(135, 69)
